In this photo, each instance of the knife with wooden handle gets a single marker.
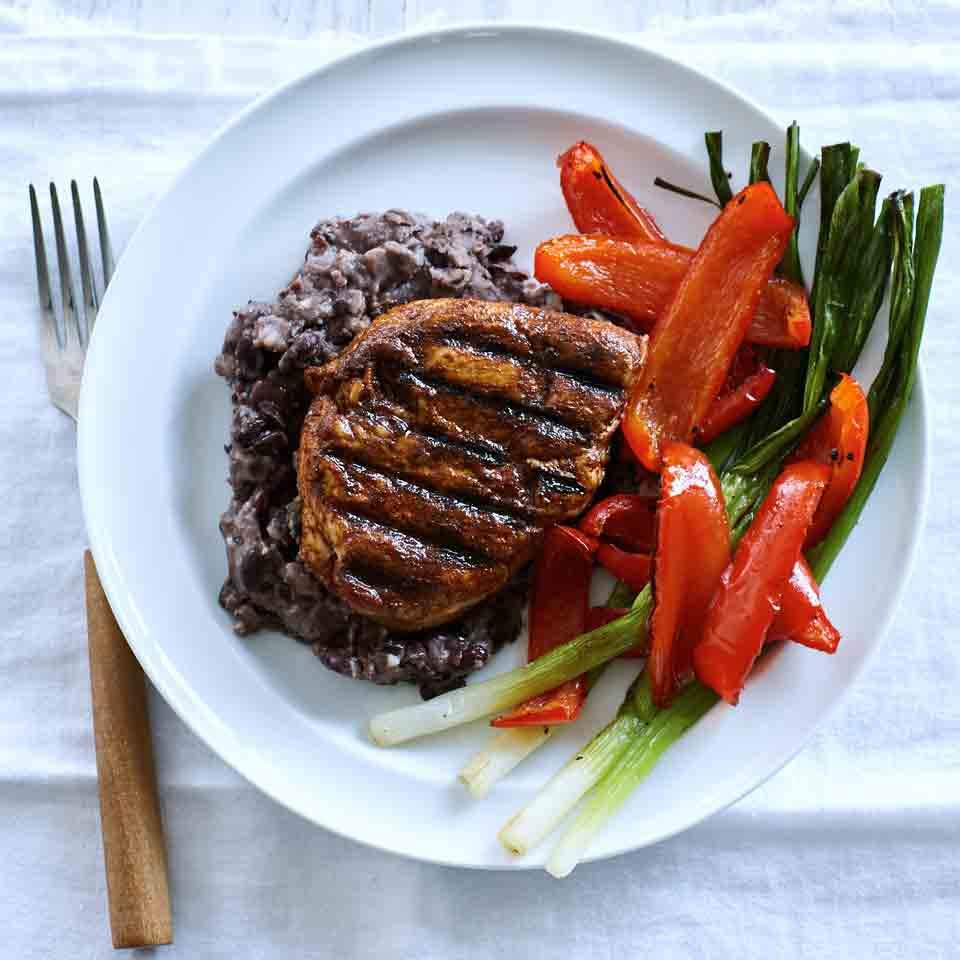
(133, 844)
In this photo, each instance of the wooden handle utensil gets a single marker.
(133, 844)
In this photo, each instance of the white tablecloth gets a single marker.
(851, 851)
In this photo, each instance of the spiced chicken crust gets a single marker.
(443, 440)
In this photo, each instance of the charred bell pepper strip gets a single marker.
(748, 598)
(838, 439)
(745, 361)
(597, 201)
(819, 634)
(632, 568)
(637, 280)
(783, 316)
(693, 550)
(549, 709)
(561, 589)
(626, 519)
(558, 612)
(696, 337)
(735, 405)
(802, 618)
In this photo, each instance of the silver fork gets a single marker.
(133, 844)
(64, 344)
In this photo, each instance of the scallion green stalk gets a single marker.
(759, 158)
(718, 175)
(633, 764)
(893, 386)
(901, 296)
(851, 224)
(621, 595)
(582, 771)
(868, 294)
(505, 750)
(683, 191)
(776, 445)
(790, 265)
(564, 790)
(808, 181)
(838, 164)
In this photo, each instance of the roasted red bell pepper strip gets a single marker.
(745, 361)
(626, 519)
(586, 542)
(632, 568)
(802, 618)
(838, 439)
(732, 406)
(693, 550)
(696, 337)
(558, 612)
(561, 589)
(637, 280)
(783, 316)
(819, 634)
(751, 587)
(597, 201)
(549, 709)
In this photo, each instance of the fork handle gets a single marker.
(133, 844)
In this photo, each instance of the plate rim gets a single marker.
(168, 682)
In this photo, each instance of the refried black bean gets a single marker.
(354, 270)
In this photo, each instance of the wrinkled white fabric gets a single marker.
(853, 850)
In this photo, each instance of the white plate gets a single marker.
(462, 119)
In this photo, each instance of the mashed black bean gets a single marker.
(354, 270)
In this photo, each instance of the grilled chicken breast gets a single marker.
(443, 440)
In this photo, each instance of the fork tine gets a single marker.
(106, 252)
(40, 254)
(70, 326)
(86, 268)
(50, 337)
